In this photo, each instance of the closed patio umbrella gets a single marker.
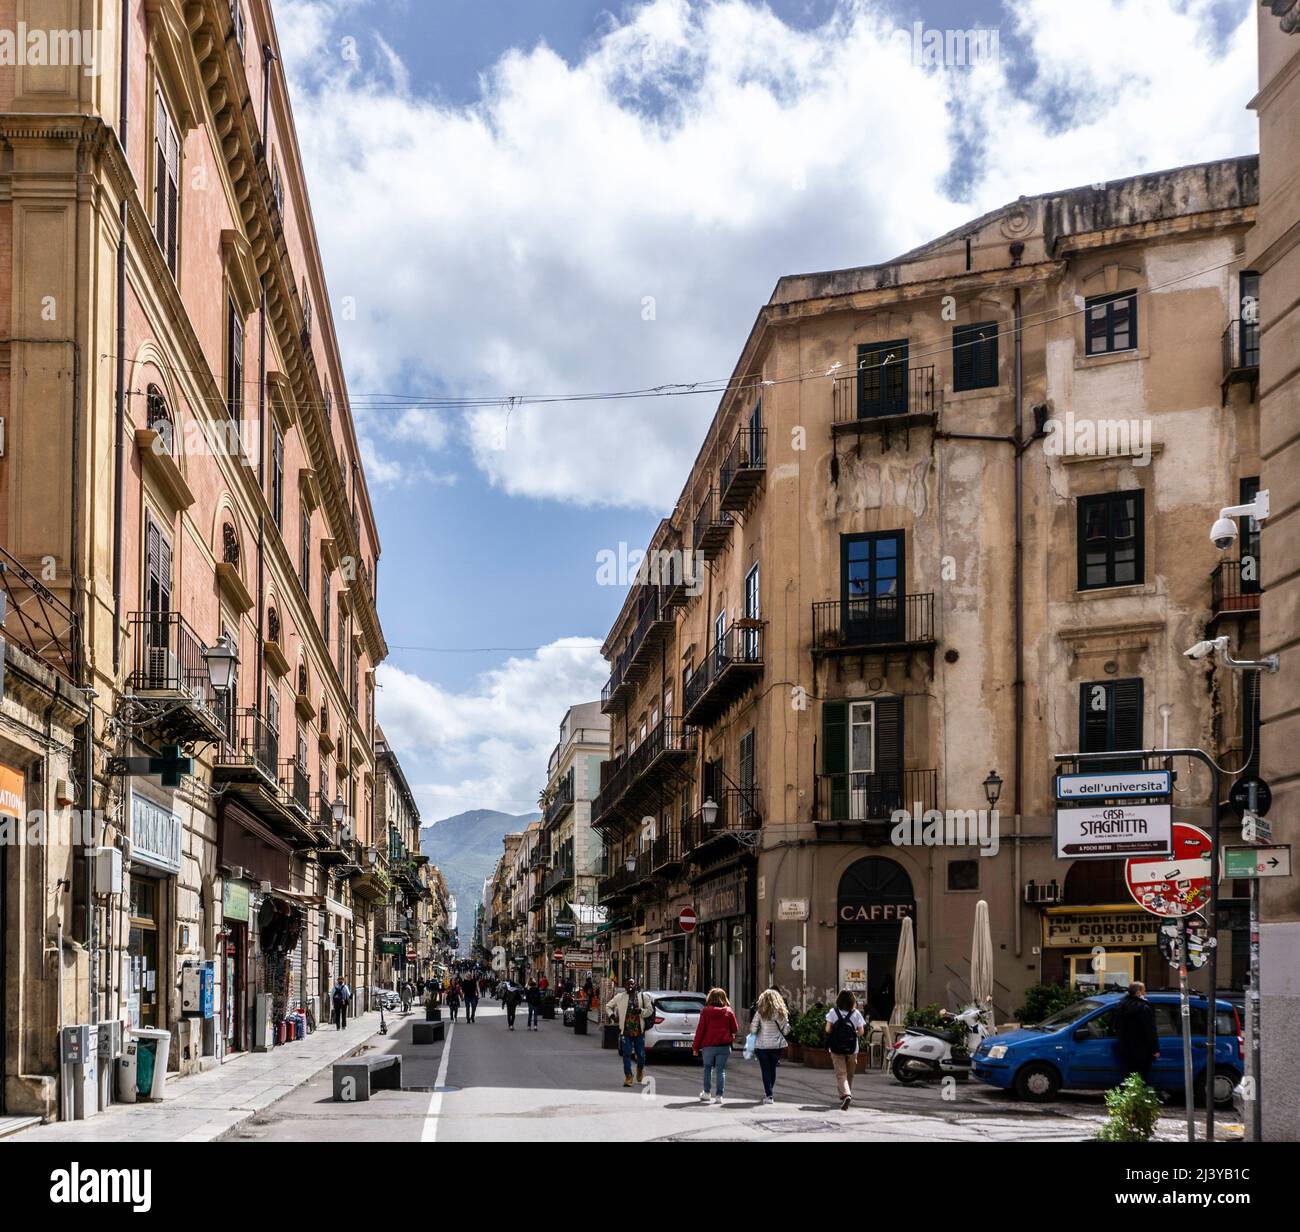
(981, 959)
(904, 974)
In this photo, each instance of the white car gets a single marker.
(676, 1016)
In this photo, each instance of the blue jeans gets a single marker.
(633, 1044)
(768, 1059)
(716, 1055)
(533, 1015)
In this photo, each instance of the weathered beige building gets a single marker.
(951, 520)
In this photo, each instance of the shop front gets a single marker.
(155, 865)
(665, 944)
(1101, 948)
(724, 936)
(874, 897)
(236, 900)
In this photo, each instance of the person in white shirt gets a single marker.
(844, 1028)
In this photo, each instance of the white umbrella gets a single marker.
(981, 958)
(904, 974)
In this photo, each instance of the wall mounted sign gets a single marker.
(1082, 928)
(155, 835)
(1113, 786)
(1113, 831)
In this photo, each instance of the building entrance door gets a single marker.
(142, 948)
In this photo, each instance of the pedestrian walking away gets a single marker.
(770, 1027)
(510, 999)
(715, 1032)
(453, 1001)
(340, 1000)
(634, 1011)
(533, 995)
(844, 1028)
(1136, 1039)
(469, 993)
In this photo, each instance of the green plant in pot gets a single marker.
(1134, 1110)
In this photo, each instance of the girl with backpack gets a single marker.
(770, 1028)
(844, 1027)
(714, 1033)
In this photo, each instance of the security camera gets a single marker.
(1224, 531)
(1203, 649)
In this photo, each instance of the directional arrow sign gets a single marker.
(1251, 862)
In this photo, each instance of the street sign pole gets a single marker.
(1252, 997)
(1185, 1017)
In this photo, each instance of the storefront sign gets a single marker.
(722, 897)
(1113, 831)
(1073, 928)
(235, 901)
(155, 835)
(864, 911)
(13, 790)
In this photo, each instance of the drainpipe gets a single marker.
(90, 841)
(1020, 625)
(119, 417)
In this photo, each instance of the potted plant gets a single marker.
(810, 1032)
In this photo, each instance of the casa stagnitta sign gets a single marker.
(1113, 831)
(155, 835)
(1114, 786)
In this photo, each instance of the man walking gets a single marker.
(341, 997)
(511, 999)
(634, 1011)
(469, 990)
(1136, 1040)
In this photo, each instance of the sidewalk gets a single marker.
(201, 1107)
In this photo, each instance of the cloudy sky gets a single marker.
(568, 197)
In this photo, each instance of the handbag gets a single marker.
(751, 1042)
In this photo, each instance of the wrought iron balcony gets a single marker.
(861, 799)
(666, 852)
(739, 809)
(1240, 347)
(255, 746)
(617, 687)
(169, 678)
(540, 856)
(618, 884)
(874, 622)
(654, 623)
(743, 469)
(728, 671)
(38, 621)
(866, 396)
(557, 879)
(562, 801)
(711, 527)
(294, 785)
(1230, 592)
(662, 757)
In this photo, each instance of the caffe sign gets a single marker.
(867, 911)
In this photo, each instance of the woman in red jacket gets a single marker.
(714, 1033)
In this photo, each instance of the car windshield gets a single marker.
(679, 1005)
(1070, 1014)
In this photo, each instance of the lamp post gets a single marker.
(993, 788)
(222, 661)
(709, 812)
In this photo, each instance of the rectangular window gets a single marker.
(1110, 719)
(963, 875)
(167, 182)
(748, 800)
(237, 22)
(343, 646)
(1110, 322)
(882, 378)
(325, 605)
(975, 355)
(305, 551)
(234, 361)
(1110, 540)
(306, 312)
(1248, 538)
(862, 760)
(277, 475)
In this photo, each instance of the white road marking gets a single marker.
(430, 1131)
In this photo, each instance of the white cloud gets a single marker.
(693, 154)
(487, 747)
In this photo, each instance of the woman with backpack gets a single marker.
(453, 1000)
(714, 1033)
(844, 1027)
(533, 996)
(770, 1027)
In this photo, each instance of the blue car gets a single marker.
(1075, 1049)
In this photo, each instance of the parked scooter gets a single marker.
(921, 1053)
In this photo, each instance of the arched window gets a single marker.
(272, 624)
(158, 418)
(229, 544)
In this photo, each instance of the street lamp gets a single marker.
(223, 663)
(631, 864)
(993, 788)
(709, 811)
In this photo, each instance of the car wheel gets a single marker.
(1037, 1083)
(902, 1073)
(1224, 1081)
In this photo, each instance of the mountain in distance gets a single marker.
(467, 847)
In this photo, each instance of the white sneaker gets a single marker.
(705, 1097)
(767, 1099)
(717, 1099)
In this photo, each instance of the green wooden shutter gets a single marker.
(835, 758)
(1126, 701)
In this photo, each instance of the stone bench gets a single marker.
(356, 1077)
(428, 1032)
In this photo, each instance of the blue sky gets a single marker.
(505, 185)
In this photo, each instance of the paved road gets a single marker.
(489, 1084)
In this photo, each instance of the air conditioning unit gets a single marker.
(346, 832)
(163, 671)
(236, 873)
(1042, 895)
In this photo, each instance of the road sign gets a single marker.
(1110, 786)
(1113, 831)
(792, 909)
(1256, 829)
(686, 921)
(1252, 862)
(1177, 884)
(1239, 797)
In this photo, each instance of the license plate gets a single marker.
(681, 1043)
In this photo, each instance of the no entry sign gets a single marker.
(1177, 884)
(686, 921)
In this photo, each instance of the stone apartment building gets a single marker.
(569, 849)
(181, 483)
(949, 521)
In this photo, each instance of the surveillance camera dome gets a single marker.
(1223, 533)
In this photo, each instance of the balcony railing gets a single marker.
(613, 690)
(653, 624)
(1230, 592)
(562, 801)
(168, 657)
(1240, 346)
(728, 670)
(878, 620)
(858, 797)
(38, 621)
(618, 883)
(872, 393)
(540, 856)
(557, 878)
(666, 850)
(294, 784)
(711, 527)
(743, 469)
(255, 744)
(739, 808)
(625, 780)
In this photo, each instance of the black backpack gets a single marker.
(843, 1039)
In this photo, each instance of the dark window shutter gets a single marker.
(835, 758)
(1126, 730)
(1110, 719)
(889, 737)
(1094, 717)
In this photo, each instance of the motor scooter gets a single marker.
(921, 1054)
